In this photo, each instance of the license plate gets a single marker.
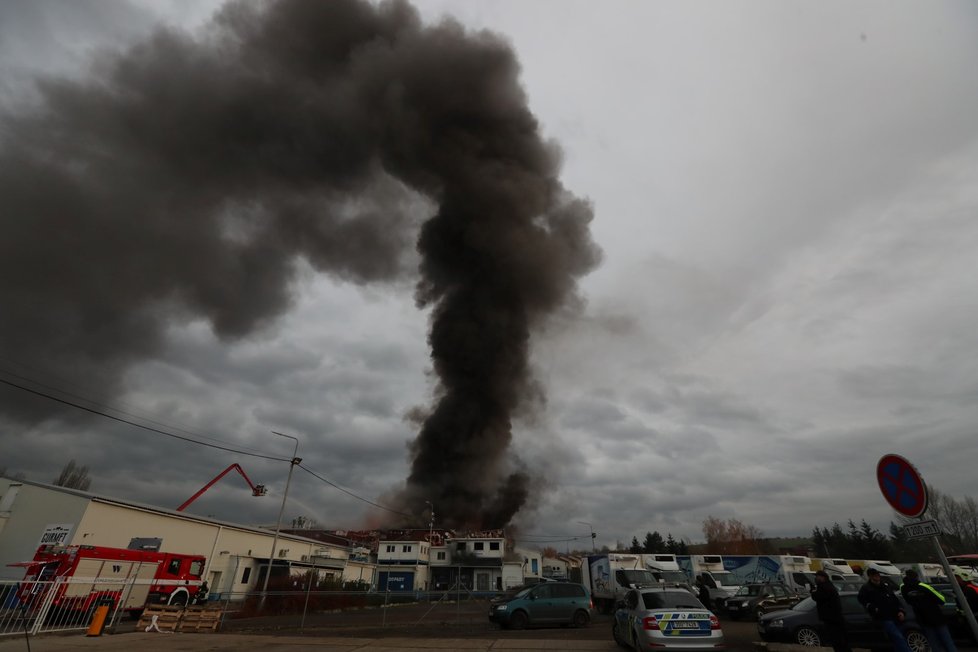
(685, 624)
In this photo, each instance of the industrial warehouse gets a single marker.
(237, 556)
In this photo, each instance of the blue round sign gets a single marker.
(901, 485)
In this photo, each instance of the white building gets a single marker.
(237, 555)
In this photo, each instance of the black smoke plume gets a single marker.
(184, 178)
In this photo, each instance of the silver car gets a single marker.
(665, 619)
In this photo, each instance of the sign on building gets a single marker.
(56, 534)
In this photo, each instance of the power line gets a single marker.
(139, 425)
(230, 449)
(350, 493)
(105, 406)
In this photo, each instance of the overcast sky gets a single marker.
(785, 194)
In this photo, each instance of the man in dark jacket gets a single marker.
(884, 606)
(928, 603)
(703, 591)
(829, 608)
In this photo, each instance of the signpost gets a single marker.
(905, 491)
(901, 485)
(921, 529)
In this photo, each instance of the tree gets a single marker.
(653, 543)
(74, 477)
(732, 537)
(671, 545)
(549, 552)
(636, 547)
(958, 520)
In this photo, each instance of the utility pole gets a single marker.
(593, 547)
(278, 523)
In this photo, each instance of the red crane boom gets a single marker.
(256, 489)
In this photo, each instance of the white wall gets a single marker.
(25, 518)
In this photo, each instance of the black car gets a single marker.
(752, 600)
(801, 625)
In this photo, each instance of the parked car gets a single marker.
(665, 619)
(752, 600)
(801, 625)
(544, 603)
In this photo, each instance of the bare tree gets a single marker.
(74, 477)
(958, 520)
(732, 537)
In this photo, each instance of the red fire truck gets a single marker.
(89, 574)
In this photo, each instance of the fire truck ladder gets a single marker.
(256, 489)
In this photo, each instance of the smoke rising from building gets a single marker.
(185, 178)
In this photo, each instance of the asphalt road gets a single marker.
(464, 620)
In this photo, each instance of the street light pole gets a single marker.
(278, 524)
(593, 548)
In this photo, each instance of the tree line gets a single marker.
(654, 542)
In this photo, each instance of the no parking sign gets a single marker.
(901, 485)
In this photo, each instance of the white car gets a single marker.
(665, 619)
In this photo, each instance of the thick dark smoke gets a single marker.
(186, 177)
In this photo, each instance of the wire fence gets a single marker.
(28, 608)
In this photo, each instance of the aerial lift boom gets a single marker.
(256, 489)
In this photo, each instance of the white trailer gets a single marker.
(888, 572)
(610, 576)
(838, 570)
(666, 569)
(928, 573)
(795, 571)
(721, 582)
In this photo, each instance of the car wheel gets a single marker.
(580, 619)
(808, 637)
(917, 641)
(615, 634)
(518, 620)
(179, 599)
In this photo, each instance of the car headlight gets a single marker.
(777, 622)
(501, 607)
(745, 603)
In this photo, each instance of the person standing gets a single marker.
(928, 603)
(882, 604)
(703, 591)
(829, 608)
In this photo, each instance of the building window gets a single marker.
(493, 545)
(441, 555)
(479, 545)
(533, 566)
(460, 546)
(246, 575)
(390, 548)
(405, 548)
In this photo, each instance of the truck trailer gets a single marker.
(610, 576)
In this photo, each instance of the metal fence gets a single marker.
(29, 608)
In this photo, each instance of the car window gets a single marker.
(805, 605)
(778, 591)
(543, 591)
(671, 600)
(568, 591)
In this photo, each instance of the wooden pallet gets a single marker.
(161, 618)
(201, 619)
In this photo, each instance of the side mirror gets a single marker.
(532, 596)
